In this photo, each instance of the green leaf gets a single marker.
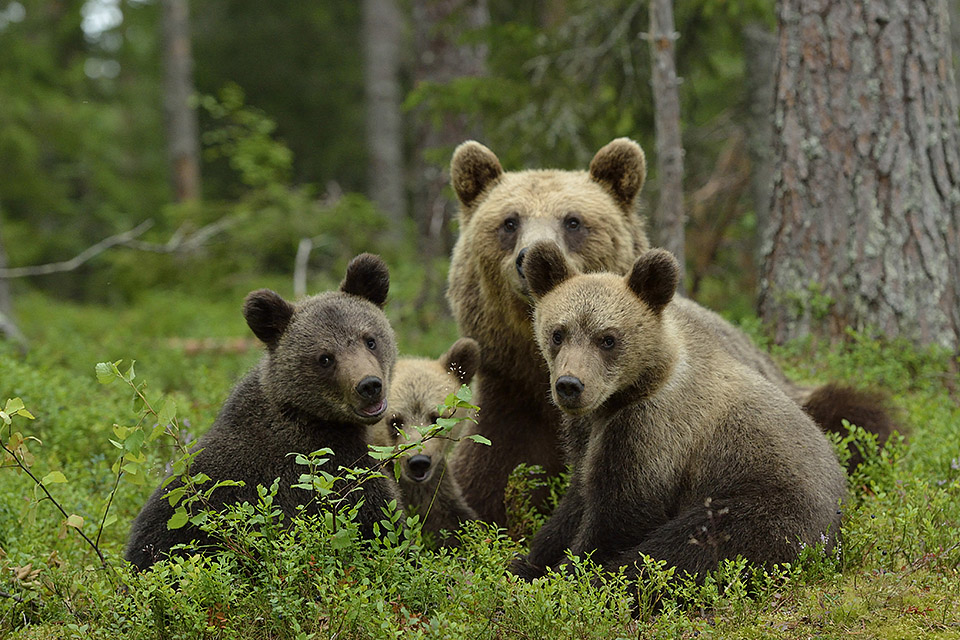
(134, 441)
(479, 439)
(447, 423)
(168, 412)
(110, 519)
(54, 477)
(13, 405)
(130, 375)
(199, 519)
(6, 419)
(105, 373)
(26, 414)
(75, 521)
(178, 519)
(464, 393)
(173, 496)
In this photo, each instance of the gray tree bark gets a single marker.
(183, 146)
(668, 218)
(8, 326)
(760, 55)
(440, 58)
(382, 35)
(865, 222)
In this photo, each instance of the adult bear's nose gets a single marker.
(419, 466)
(520, 256)
(370, 387)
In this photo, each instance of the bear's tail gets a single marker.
(832, 403)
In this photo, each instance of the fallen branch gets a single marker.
(181, 241)
(80, 258)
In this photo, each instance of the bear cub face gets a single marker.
(588, 215)
(330, 356)
(419, 386)
(602, 333)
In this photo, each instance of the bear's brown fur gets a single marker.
(678, 450)
(427, 482)
(324, 377)
(591, 216)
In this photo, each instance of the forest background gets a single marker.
(160, 159)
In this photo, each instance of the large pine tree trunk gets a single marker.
(865, 223)
(668, 217)
(183, 146)
(382, 33)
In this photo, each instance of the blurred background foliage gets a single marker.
(280, 100)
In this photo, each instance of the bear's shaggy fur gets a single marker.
(678, 450)
(325, 376)
(426, 481)
(591, 217)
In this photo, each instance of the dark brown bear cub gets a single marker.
(325, 376)
(427, 482)
(678, 450)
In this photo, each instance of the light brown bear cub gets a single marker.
(678, 450)
(427, 482)
(324, 377)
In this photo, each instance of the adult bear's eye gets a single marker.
(510, 224)
(557, 337)
(371, 344)
(572, 222)
(608, 342)
(325, 361)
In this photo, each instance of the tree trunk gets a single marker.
(865, 223)
(183, 147)
(382, 31)
(668, 218)
(440, 59)
(8, 327)
(955, 33)
(760, 54)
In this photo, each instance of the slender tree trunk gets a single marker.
(440, 58)
(955, 33)
(668, 218)
(183, 147)
(382, 33)
(8, 326)
(760, 55)
(865, 222)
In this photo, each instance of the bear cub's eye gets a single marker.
(572, 222)
(557, 337)
(433, 417)
(325, 361)
(371, 344)
(510, 224)
(608, 342)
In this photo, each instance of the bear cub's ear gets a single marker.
(621, 167)
(654, 278)
(472, 169)
(545, 267)
(367, 277)
(267, 314)
(463, 359)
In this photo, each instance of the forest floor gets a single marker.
(896, 576)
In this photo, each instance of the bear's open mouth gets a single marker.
(374, 410)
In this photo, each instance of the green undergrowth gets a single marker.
(897, 574)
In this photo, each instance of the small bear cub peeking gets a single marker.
(427, 482)
(678, 450)
(324, 377)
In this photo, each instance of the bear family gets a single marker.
(678, 451)
(322, 381)
(591, 216)
(427, 482)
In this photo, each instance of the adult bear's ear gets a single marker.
(367, 277)
(620, 167)
(654, 278)
(463, 359)
(267, 314)
(545, 267)
(473, 169)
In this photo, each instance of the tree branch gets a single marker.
(80, 258)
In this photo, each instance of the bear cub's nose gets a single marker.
(569, 388)
(419, 466)
(520, 256)
(370, 388)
